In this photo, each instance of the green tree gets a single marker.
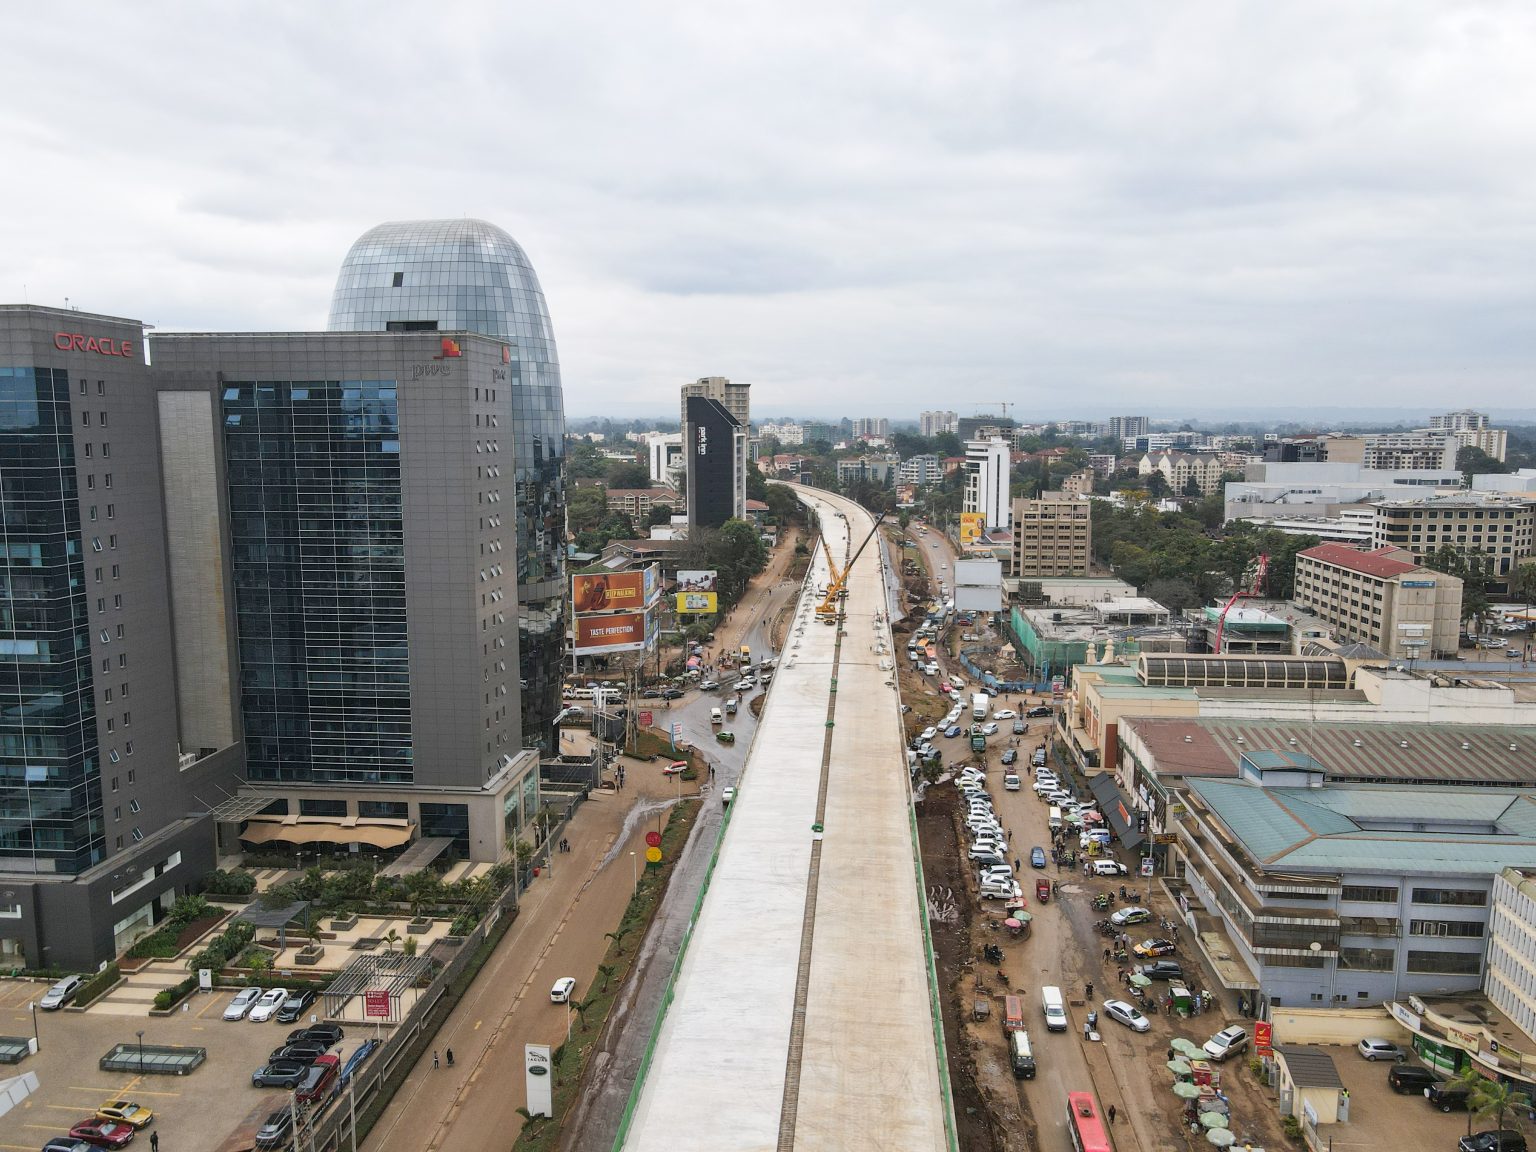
(1490, 1099)
(1472, 462)
(585, 508)
(583, 459)
(628, 475)
(1471, 568)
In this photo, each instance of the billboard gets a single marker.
(617, 632)
(605, 591)
(698, 580)
(972, 525)
(697, 603)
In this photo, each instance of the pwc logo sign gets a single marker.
(101, 345)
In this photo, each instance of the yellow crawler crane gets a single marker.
(837, 586)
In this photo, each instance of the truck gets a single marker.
(980, 703)
(978, 739)
(746, 657)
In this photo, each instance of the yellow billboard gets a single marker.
(703, 603)
(972, 525)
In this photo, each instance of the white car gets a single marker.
(242, 1003)
(271, 1000)
(1001, 890)
(929, 735)
(989, 729)
(727, 796)
(1110, 868)
(1130, 916)
(1004, 714)
(996, 874)
(1127, 1014)
(561, 992)
(61, 993)
(708, 685)
(1012, 783)
(743, 685)
(985, 848)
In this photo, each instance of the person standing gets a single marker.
(434, 1060)
(154, 1142)
(1111, 1113)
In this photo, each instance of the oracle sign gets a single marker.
(101, 345)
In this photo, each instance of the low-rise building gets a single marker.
(636, 503)
(869, 469)
(1382, 597)
(923, 470)
(1203, 470)
(1494, 525)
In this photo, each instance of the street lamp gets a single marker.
(141, 1051)
(634, 882)
(37, 1043)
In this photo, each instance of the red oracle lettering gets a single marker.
(77, 341)
(102, 346)
(61, 341)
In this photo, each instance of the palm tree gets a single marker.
(1491, 1099)
(531, 1123)
(582, 1008)
(618, 939)
(391, 938)
(606, 972)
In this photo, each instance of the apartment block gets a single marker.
(1495, 526)
(1052, 536)
(1383, 598)
(932, 423)
(988, 468)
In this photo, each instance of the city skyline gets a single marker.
(1173, 206)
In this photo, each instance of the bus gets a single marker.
(1085, 1124)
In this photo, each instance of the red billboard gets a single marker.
(606, 591)
(1263, 1037)
(376, 1003)
(616, 632)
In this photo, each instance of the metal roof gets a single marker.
(1310, 1067)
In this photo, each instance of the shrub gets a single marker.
(186, 909)
(235, 882)
(96, 985)
(225, 945)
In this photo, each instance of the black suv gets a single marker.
(1042, 710)
(295, 1006)
(1493, 1140)
(1448, 1097)
(1406, 1079)
(323, 1034)
(1162, 970)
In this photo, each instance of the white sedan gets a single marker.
(989, 729)
(271, 1000)
(1127, 1014)
(241, 1004)
(1004, 714)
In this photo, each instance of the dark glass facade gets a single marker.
(317, 544)
(710, 443)
(470, 276)
(50, 787)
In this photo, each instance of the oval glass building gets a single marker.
(470, 276)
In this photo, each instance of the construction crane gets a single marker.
(837, 586)
(1251, 585)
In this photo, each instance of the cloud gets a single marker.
(857, 207)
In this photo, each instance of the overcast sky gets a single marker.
(861, 208)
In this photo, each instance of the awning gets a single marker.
(377, 835)
(1122, 820)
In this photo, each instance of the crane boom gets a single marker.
(1252, 585)
(837, 588)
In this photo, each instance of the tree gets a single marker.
(626, 475)
(1472, 569)
(606, 971)
(1472, 462)
(659, 514)
(1490, 1099)
(585, 508)
(1157, 484)
(617, 937)
(583, 1007)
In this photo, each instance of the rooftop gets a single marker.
(1310, 1067)
(1417, 754)
(1379, 562)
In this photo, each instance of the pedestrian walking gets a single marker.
(434, 1060)
(1087, 1031)
(1111, 1111)
(449, 1053)
(1088, 990)
(1106, 955)
(154, 1142)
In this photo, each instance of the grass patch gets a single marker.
(624, 944)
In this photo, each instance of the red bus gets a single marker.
(1086, 1124)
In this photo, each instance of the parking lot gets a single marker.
(1380, 1118)
(198, 1111)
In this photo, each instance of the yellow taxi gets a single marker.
(125, 1112)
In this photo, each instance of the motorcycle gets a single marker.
(1101, 901)
(993, 953)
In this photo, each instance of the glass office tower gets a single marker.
(470, 276)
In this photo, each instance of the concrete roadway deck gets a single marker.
(828, 930)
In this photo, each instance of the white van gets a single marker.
(716, 716)
(1053, 820)
(1011, 782)
(1054, 1007)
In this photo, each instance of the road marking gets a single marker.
(477, 1025)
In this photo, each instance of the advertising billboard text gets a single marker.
(605, 591)
(619, 632)
(698, 603)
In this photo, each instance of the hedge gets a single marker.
(96, 985)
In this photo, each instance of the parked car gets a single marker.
(1019, 727)
(1410, 1080)
(989, 729)
(68, 1144)
(1162, 970)
(561, 992)
(1127, 916)
(1037, 857)
(929, 735)
(299, 1052)
(266, 1007)
(1154, 947)
(1448, 1096)
(1039, 710)
(985, 847)
(1493, 1140)
(1004, 714)
(295, 1006)
(126, 1112)
(1110, 868)
(1374, 1048)
(102, 1133)
(276, 1131)
(321, 1073)
(727, 796)
(1001, 890)
(328, 1034)
(1127, 1014)
(671, 693)
(280, 1074)
(1226, 1043)
(242, 1003)
(952, 731)
(61, 993)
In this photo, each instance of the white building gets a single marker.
(1317, 488)
(988, 464)
(664, 450)
(924, 470)
(1509, 980)
(932, 423)
(1355, 524)
(877, 427)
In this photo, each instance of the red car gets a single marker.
(102, 1133)
(321, 1073)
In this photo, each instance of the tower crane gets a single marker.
(1251, 585)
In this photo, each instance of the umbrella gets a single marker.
(1216, 1104)
(1221, 1138)
(1011, 922)
(1212, 1120)
(1184, 1090)
(1179, 1067)
(1187, 1047)
(1141, 981)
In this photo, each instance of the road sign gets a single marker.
(653, 855)
(1263, 1037)
(376, 1003)
(653, 839)
(647, 719)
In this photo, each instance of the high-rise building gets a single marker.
(932, 423)
(1052, 536)
(716, 446)
(922, 470)
(737, 398)
(664, 450)
(1496, 526)
(1466, 420)
(470, 276)
(988, 466)
(877, 427)
(1128, 427)
(105, 777)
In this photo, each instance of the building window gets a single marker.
(128, 751)
(1461, 929)
(1449, 963)
(336, 808)
(133, 806)
(137, 835)
(1368, 894)
(1368, 959)
(1458, 897)
(117, 572)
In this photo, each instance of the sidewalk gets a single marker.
(559, 932)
